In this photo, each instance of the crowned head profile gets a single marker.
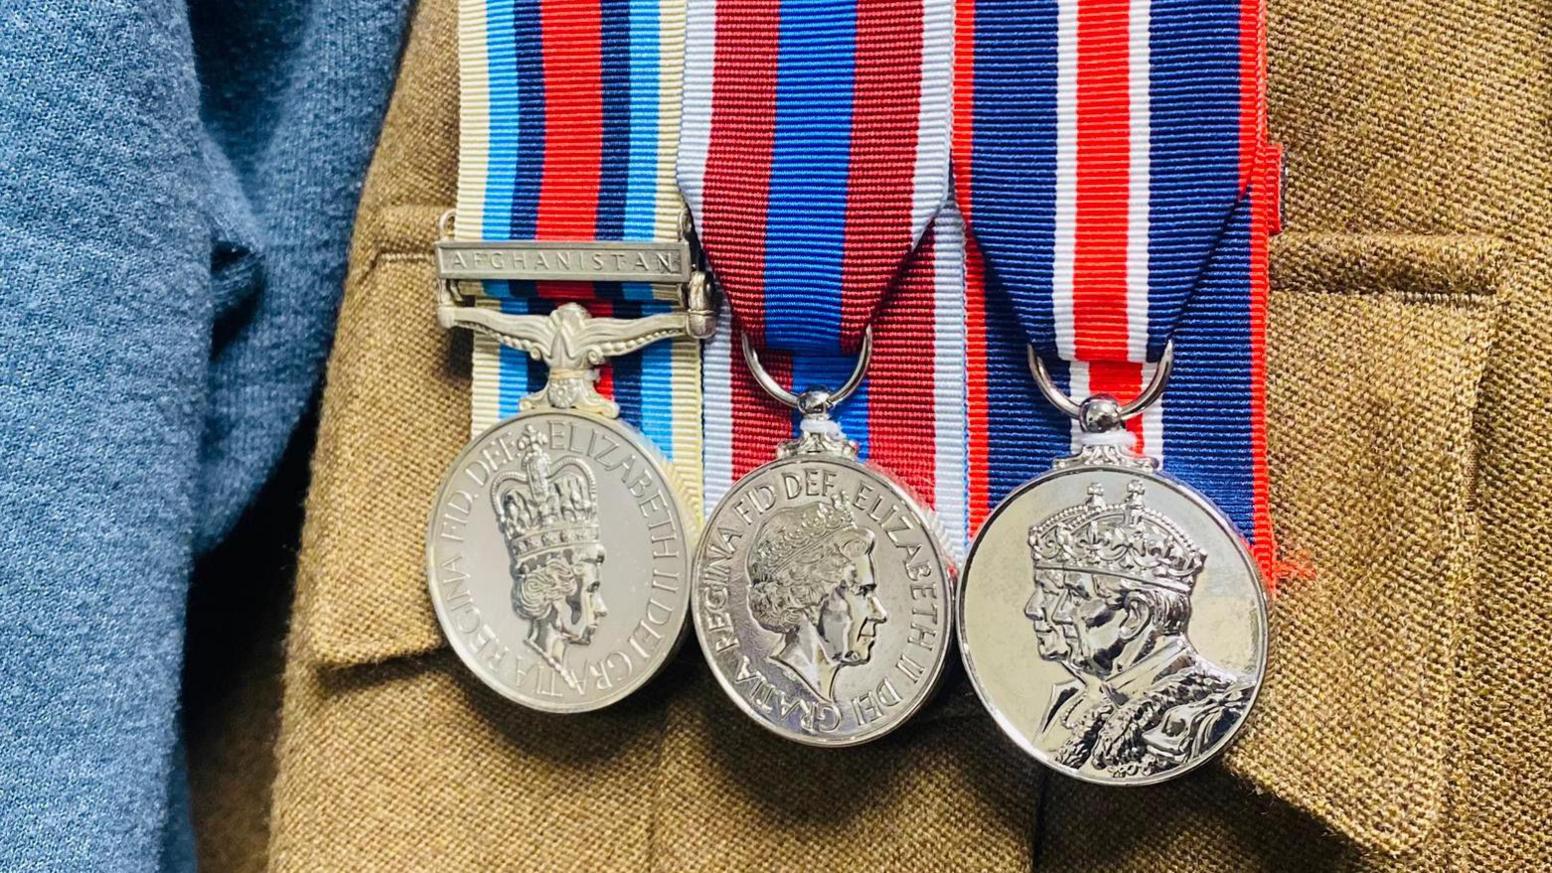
(1112, 605)
(1130, 558)
(548, 515)
(811, 581)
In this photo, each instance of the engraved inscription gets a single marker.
(819, 600)
(562, 261)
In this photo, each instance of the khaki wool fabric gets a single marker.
(1404, 720)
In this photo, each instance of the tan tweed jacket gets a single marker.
(1404, 723)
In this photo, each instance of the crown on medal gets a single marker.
(816, 523)
(1126, 540)
(545, 507)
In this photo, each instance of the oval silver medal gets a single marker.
(558, 560)
(1113, 621)
(823, 597)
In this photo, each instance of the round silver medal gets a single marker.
(558, 560)
(822, 597)
(1113, 621)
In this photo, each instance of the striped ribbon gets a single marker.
(569, 118)
(1112, 162)
(814, 158)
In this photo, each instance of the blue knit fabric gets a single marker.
(177, 183)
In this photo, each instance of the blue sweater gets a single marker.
(177, 184)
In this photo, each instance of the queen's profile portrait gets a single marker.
(1112, 605)
(548, 515)
(811, 581)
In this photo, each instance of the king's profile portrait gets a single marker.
(811, 580)
(1112, 605)
(548, 515)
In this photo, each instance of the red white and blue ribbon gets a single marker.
(569, 116)
(1112, 164)
(814, 157)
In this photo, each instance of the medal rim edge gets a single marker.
(951, 581)
(1024, 744)
(664, 470)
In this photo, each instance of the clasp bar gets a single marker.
(667, 263)
(569, 340)
(656, 263)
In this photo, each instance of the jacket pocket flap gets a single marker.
(1376, 348)
(395, 414)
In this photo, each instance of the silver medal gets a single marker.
(1110, 618)
(558, 552)
(822, 593)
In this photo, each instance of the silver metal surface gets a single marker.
(815, 400)
(699, 299)
(1095, 419)
(675, 262)
(822, 597)
(1113, 621)
(558, 560)
(558, 549)
(573, 343)
(591, 261)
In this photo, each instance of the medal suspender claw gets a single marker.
(815, 157)
(1112, 166)
(558, 550)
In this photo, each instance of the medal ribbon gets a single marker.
(814, 157)
(569, 117)
(1112, 163)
